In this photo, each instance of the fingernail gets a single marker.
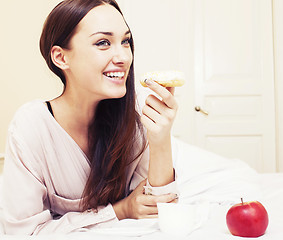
(147, 82)
(176, 196)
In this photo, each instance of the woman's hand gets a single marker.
(138, 205)
(158, 115)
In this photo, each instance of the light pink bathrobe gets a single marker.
(45, 173)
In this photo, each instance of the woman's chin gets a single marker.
(118, 94)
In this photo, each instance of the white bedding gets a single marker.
(202, 177)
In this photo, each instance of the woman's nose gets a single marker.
(122, 55)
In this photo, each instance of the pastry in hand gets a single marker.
(164, 78)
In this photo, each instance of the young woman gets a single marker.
(82, 159)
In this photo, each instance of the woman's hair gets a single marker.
(115, 131)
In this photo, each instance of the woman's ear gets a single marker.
(58, 58)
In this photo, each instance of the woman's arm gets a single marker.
(158, 116)
(25, 198)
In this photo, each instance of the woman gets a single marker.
(81, 160)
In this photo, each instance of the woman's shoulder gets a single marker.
(30, 106)
(27, 115)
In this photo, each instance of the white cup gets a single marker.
(181, 219)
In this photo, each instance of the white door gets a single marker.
(225, 49)
(234, 80)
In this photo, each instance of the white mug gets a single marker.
(181, 219)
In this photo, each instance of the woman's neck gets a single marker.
(80, 110)
(80, 106)
(74, 114)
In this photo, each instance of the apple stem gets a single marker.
(242, 201)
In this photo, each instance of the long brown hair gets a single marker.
(115, 131)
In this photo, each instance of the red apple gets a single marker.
(247, 219)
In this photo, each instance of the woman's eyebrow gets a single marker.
(108, 33)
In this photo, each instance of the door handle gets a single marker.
(198, 109)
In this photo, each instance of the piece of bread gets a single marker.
(164, 78)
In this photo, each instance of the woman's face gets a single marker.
(100, 56)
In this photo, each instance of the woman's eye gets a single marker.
(103, 43)
(126, 41)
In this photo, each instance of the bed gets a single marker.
(202, 177)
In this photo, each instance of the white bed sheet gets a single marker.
(209, 178)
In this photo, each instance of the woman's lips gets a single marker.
(115, 76)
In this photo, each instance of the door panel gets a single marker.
(234, 80)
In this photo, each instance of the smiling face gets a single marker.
(99, 55)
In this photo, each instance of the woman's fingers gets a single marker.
(152, 200)
(145, 206)
(165, 198)
(151, 113)
(171, 90)
(148, 204)
(160, 107)
(157, 117)
(152, 211)
(149, 211)
(156, 103)
(148, 123)
(140, 188)
(165, 94)
(154, 117)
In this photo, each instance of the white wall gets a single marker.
(23, 73)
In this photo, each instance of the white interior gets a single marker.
(215, 181)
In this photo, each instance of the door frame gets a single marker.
(278, 74)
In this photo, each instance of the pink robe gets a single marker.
(45, 173)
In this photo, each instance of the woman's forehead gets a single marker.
(104, 18)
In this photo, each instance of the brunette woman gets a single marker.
(82, 159)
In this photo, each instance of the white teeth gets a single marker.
(115, 74)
